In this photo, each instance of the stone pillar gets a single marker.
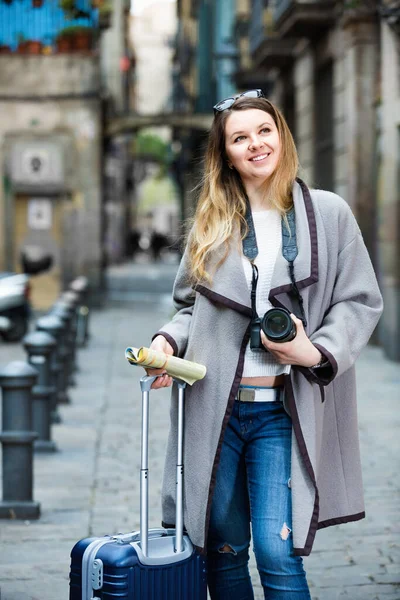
(361, 75)
(304, 103)
(389, 194)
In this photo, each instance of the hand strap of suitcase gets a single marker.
(145, 385)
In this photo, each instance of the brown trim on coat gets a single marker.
(326, 374)
(312, 226)
(322, 392)
(340, 520)
(219, 299)
(231, 400)
(307, 463)
(322, 376)
(169, 339)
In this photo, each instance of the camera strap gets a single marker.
(289, 252)
(254, 281)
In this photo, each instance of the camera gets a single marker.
(277, 325)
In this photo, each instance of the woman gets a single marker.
(271, 432)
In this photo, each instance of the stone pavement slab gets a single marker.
(91, 485)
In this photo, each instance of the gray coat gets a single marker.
(342, 304)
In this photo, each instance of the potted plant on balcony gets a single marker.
(28, 46)
(63, 43)
(105, 12)
(76, 38)
(34, 47)
(4, 48)
(22, 43)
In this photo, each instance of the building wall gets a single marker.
(340, 118)
(112, 52)
(56, 98)
(389, 192)
(304, 103)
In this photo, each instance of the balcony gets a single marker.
(35, 27)
(250, 79)
(303, 18)
(267, 48)
(275, 52)
(258, 24)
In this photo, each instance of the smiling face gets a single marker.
(252, 144)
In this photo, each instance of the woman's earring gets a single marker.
(230, 165)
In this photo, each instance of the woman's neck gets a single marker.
(257, 197)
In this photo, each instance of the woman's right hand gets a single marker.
(160, 344)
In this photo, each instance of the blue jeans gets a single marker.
(253, 484)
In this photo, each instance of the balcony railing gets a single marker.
(282, 6)
(300, 18)
(261, 23)
(256, 24)
(51, 26)
(266, 46)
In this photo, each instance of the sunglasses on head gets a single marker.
(227, 103)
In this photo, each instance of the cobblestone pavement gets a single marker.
(91, 485)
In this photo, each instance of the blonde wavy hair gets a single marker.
(222, 202)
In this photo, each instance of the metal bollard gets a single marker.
(64, 352)
(66, 312)
(39, 346)
(71, 297)
(16, 380)
(80, 285)
(82, 336)
(71, 300)
(54, 326)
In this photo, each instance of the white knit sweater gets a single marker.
(267, 225)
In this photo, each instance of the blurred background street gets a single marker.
(105, 107)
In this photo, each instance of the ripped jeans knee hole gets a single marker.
(227, 549)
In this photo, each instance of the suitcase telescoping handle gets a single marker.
(145, 385)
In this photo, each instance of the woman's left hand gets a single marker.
(299, 351)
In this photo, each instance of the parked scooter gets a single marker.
(14, 306)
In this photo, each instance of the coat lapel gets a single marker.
(306, 263)
(229, 285)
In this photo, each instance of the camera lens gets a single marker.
(278, 326)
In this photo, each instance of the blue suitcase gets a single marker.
(160, 564)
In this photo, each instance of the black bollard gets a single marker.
(70, 297)
(39, 346)
(63, 352)
(55, 327)
(66, 312)
(71, 300)
(80, 285)
(16, 380)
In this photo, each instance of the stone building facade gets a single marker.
(50, 109)
(62, 76)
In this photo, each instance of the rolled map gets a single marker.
(175, 367)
